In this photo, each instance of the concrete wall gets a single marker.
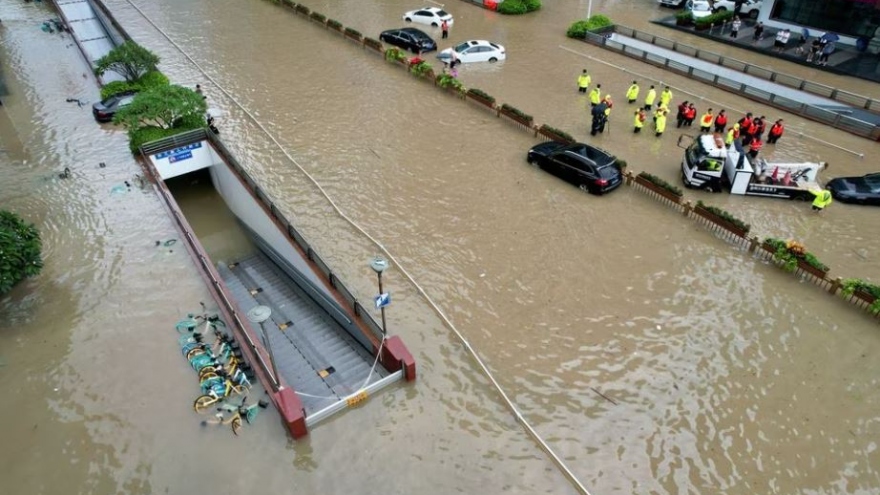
(185, 159)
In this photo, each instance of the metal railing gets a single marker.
(812, 112)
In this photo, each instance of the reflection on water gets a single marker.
(651, 355)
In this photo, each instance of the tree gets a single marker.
(166, 107)
(20, 248)
(129, 60)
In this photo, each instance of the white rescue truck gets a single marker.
(709, 164)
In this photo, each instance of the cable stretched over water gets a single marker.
(566, 471)
(683, 90)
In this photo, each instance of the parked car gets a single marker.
(431, 16)
(698, 8)
(672, 3)
(410, 39)
(864, 190)
(591, 169)
(749, 8)
(475, 51)
(105, 110)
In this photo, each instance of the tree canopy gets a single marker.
(20, 249)
(129, 60)
(166, 107)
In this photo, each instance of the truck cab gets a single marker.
(709, 164)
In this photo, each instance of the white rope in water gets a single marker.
(517, 414)
(714, 102)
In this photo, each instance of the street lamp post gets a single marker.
(589, 9)
(259, 315)
(379, 265)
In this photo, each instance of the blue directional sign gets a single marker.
(179, 151)
(382, 300)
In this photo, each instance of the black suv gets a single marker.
(592, 169)
(410, 39)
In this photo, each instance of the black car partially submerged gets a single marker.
(106, 109)
(592, 169)
(411, 39)
(864, 190)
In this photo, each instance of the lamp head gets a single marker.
(379, 264)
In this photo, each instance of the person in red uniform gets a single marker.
(720, 121)
(762, 126)
(682, 109)
(690, 114)
(775, 133)
(755, 147)
(749, 132)
(744, 123)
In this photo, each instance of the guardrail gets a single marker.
(833, 119)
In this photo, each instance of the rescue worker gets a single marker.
(761, 126)
(720, 121)
(732, 135)
(660, 123)
(750, 131)
(639, 120)
(599, 118)
(706, 121)
(745, 123)
(775, 132)
(632, 94)
(682, 110)
(596, 95)
(665, 97)
(822, 199)
(755, 146)
(649, 98)
(584, 81)
(690, 114)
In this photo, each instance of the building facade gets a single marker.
(850, 19)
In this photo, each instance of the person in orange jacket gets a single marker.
(720, 121)
(755, 147)
(775, 132)
(706, 121)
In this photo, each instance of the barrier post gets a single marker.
(753, 244)
(836, 284)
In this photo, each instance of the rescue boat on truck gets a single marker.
(709, 164)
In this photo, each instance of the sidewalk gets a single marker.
(845, 60)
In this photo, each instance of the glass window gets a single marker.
(423, 13)
(850, 17)
(442, 13)
(462, 47)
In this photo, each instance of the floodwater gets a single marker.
(722, 375)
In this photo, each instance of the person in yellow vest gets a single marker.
(665, 97)
(822, 198)
(584, 81)
(706, 121)
(649, 98)
(632, 94)
(596, 95)
(660, 123)
(639, 120)
(732, 134)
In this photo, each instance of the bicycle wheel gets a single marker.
(203, 402)
(236, 424)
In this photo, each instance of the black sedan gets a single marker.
(864, 190)
(106, 109)
(592, 169)
(410, 39)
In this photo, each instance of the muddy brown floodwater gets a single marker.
(726, 374)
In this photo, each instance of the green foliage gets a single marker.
(684, 17)
(395, 54)
(20, 249)
(137, 137)
(448, 81)
(289, 3)
(147, 81)
(373, 43)
(333, 23)
(717, 18)
(421, 68)
(579, 29)
(519, 113)
(517, 7)
(354, 33)
(167, 107)
(851, 285)
(562, 134)
(129, 60)
(790, 252)
(482, 94)
(302, 9)
(318, 17)
(718, 212)
(657, 181)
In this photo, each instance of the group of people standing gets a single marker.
(749, 129)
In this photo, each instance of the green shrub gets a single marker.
(657, 181)
(374, 43)
(147, 81)
(318, 16)
(151, 80)
(512, 7)
(395, 54)
(726, 216)
(354, 33)
(717, 18)
(333, 23)
(116, 87)
(790, 252)
(519, 113)
(20, 250)
(137, 137)
(289, 3)
(447, 81)
(851, 285)
(482, 94)
(421, 69)
(302, 9)
(684, 15)
(579, 29)
(533, 5)
(553, 130)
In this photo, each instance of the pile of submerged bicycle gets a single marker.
(221, 370)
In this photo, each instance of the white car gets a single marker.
(749, 8)
(474, 51)
(431, 16)
(699, 8)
